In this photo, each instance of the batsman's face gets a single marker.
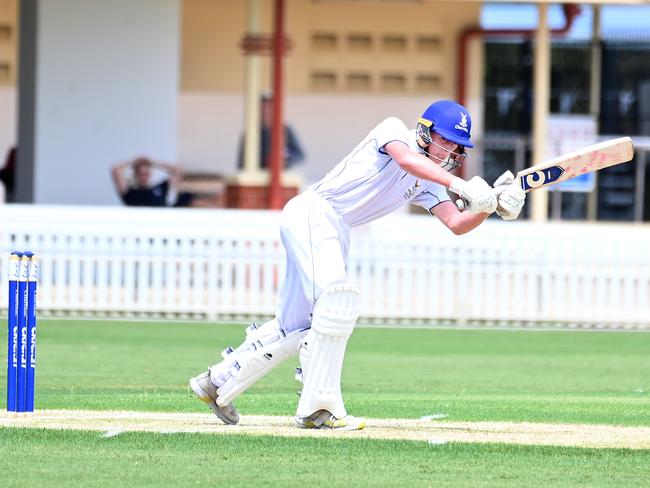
(442, 148)
(447, 154)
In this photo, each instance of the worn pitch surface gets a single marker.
(435, 431)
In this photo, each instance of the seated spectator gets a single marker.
(141, 192)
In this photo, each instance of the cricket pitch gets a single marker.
(431, 431)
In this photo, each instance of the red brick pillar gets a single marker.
(254, 196)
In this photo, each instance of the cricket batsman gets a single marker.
(317, 305)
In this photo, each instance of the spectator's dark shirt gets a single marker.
(154, 196)
(293, 153)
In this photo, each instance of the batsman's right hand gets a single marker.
(503, 181)
(478, 196)
(510, 197)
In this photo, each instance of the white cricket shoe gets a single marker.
(322, 419)
(207, 393)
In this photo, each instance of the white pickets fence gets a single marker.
(225, 264)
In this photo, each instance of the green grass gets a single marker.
(544, 376)
(554, 376)
(130, 459)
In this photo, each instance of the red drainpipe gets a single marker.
(277, 132)
(571, 11)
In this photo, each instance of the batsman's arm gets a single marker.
(417, 164)
(456, 221)
(476, 191)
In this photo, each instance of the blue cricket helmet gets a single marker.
(449, 119)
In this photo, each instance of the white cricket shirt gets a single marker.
(368, 184)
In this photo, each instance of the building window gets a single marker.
(427, 82)
(394, 43)
(360, 42)
(324, 41)
(392, 82)
(359, 81)
(323, 80)
(428, 44)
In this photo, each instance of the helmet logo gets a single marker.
(462, 125)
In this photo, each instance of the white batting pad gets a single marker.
(264, 348)
(322, 351)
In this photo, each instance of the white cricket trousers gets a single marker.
(316, 240)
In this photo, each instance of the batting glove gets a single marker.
(477, 195)
(510, 197)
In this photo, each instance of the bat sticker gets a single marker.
(541, 177)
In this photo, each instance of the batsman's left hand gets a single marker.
(510, 197)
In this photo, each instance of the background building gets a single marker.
(172, 84)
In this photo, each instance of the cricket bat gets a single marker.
(578, 162)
